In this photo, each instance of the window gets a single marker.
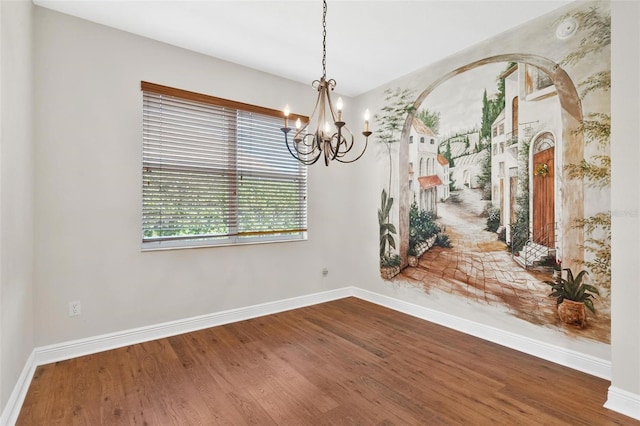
(536, 79)
(495, 132)
(411, 139)
(432, 141)
(216, 172)
(421, 139)
(501, 129)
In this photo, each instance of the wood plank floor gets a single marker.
(346, 362)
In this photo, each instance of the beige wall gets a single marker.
(86, 168)
(16, 190)
(625, 197)
(88, 190)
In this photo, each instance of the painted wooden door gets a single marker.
(543, 198)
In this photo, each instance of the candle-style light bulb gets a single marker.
(298, 124)
(366, 120)
(326, 128)
(286, 115)
(339, 105)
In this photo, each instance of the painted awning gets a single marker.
(427, 182)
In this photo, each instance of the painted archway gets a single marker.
(571, 150)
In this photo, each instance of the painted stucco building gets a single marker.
(524, 138)
(428, 170)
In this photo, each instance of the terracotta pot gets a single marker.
(413, 261)
(573, 313)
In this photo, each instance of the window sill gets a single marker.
(146, 247)
(541, 94)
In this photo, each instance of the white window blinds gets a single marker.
(216, 172)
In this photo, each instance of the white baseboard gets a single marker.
(587, 364)
(91, 345)
(14, 404)
(623, 402)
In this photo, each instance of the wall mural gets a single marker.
(505, 198)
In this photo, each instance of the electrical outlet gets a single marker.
(74, 308)
(325, 272)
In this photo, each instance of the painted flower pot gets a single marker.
(413, 261)
(389, 272)
(573, 313)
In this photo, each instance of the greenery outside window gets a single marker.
(216, 172)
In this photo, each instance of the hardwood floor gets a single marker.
(345, 362)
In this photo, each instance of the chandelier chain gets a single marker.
(324, 39)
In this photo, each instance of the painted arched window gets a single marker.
(543, 142)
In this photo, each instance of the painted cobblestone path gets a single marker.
(479, 267)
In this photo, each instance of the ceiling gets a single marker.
(368, 42)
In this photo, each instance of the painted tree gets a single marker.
(398, 104)
(387, 230)
(485, 125)
(596, 36)
(447, 154)
(491, 109)
(431, 119)
(520, 229)
(595, 171)
(484, 177)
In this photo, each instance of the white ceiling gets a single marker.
(368, 42)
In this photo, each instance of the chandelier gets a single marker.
(331, 143)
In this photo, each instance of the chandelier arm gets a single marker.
(366, 141)
(306, 148)
(297, 153)
(339, 138)
(331, 150)
(347, 145)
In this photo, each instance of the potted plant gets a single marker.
(572, 296)
(557, 269)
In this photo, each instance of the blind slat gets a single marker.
(216, 173)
